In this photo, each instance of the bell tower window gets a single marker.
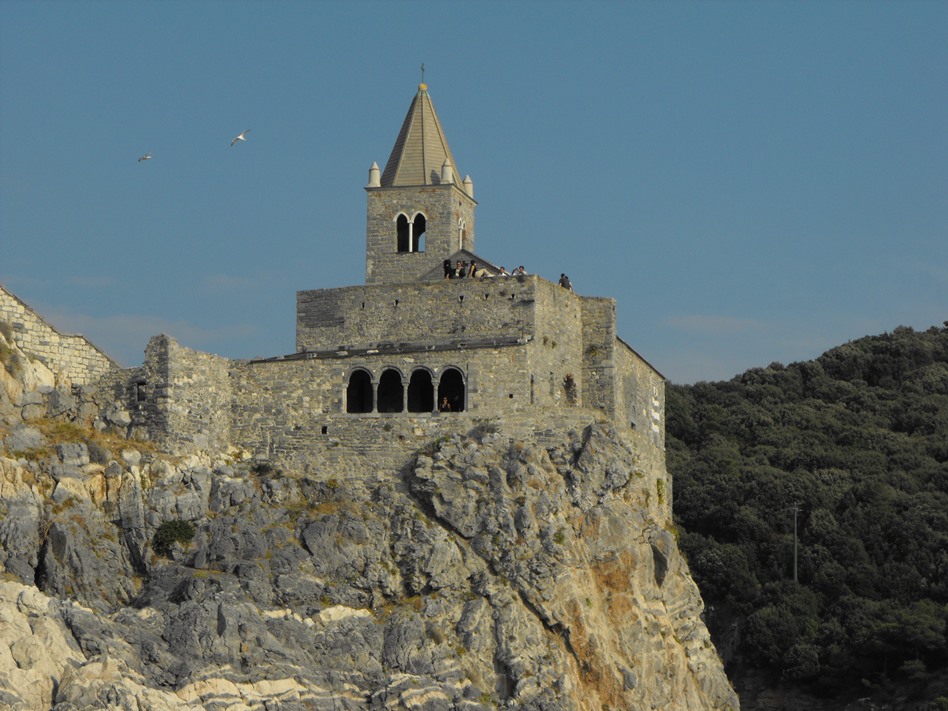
(418, 228)
(410, 236)
(403, 234)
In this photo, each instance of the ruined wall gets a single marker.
(73, 358)
(182, 397)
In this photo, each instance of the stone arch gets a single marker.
(360, 396)
(419, 226)
(420, 391)
(391, 392)
(452, 396)
(402, 233)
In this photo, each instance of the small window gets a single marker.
(141, 392)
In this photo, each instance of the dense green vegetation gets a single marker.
(856, 442)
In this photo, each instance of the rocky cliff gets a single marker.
(489, 573)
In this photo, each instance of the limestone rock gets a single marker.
(489, 572)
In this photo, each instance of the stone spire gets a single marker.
(421, 149)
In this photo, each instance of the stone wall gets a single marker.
(72, 358)
(641, 394)
(449, 310)
(556, 351)
(181, 397)
(598, 345)
(443, 206)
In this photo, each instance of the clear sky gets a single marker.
(752, 182)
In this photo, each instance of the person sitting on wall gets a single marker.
(459, 270)
(502, 272)
(448, 271)
(565, 282)
(472, 269)
(520, 271)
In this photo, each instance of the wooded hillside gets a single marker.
(854, 445)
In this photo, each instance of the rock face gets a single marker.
(489, 573)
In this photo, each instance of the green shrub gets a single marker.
(169, 533)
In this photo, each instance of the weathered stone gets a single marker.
(23, 439)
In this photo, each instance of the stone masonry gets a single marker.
(72, 357)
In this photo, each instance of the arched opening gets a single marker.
(418, 228)
(391, 393)
(451, 391)
(420, 392)
(359, 392)
(403, 234)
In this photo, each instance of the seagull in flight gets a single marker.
(147, 156)
(242, 136)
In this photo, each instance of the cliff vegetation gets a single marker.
(813, 503)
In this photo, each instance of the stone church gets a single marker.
(411, 355)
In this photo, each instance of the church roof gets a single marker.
(420, 149)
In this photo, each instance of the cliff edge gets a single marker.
(490, 572)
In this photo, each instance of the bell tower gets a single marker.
(419, 211)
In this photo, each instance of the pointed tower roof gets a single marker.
(421, 149)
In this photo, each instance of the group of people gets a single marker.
(464, 269)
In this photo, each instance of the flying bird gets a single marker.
(242, 136)
(147, 156)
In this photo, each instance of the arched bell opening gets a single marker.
(403, 234)
(418, 228)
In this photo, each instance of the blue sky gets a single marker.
(752, 182)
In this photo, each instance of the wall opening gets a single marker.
(391, 392)
(359, 392)
(451, 397)
(418, 229)
(420, 392)
(403, 234)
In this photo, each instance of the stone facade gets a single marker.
(449, 216)
(72, 358)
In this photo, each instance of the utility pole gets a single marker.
(796, 510)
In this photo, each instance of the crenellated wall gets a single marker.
(71, 357)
